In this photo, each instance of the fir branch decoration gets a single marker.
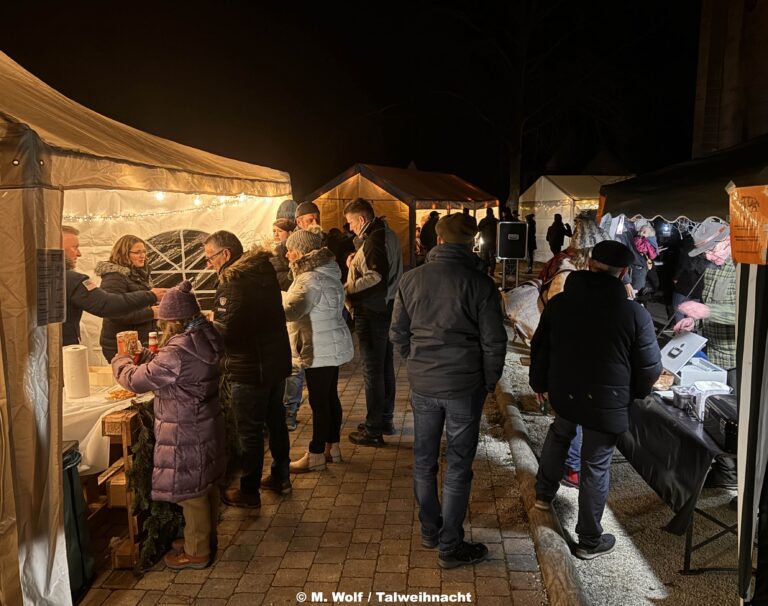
(162, 521)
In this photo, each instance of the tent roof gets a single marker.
(693, 189)
(416, 188)
(146, 161)
(576, 187)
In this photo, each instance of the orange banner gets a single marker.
(749, 225)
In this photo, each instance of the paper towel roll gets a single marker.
(76, 384)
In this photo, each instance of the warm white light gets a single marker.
(241, 197)
(222, 199)
(198, 201)
(159, 196)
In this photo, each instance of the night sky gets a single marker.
(312, 88)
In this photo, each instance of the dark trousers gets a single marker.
(389, 373)
(555, 248)
(322, 384)
(596, 454)
(461, 419)
(253, 407)
(372, 331)
(531, 253)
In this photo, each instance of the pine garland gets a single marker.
(164, 521)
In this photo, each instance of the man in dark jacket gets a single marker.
(366, 291)
(428, 233)
(556, 234)
(248, 313)
(84, 295)
(488, 228)
(449, 327)
(593, 353)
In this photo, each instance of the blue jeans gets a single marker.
(373, 335)
(573, 460)
(253, 407)
(596, 454)
(293, 388)
(461, 418)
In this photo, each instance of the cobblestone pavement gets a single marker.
(353, 528)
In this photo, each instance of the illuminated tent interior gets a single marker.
(399, 194)
(58, 158)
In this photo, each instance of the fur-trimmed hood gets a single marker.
(313, 260)
(140, 276)
(255, 260)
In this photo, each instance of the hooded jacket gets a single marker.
(189, 426)
(279, 261)
(366, 285)
(119, 280)
(248, 313)
(448, 325)
(594, 352)
(313, 305)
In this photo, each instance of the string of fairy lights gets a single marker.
(199, 204)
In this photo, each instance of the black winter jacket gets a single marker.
(248, 313)
(279, 261)
(366, 286)
(120, 280)
(84, 295)
(594, 352)
(448, 324)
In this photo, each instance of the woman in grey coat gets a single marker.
(320, 340)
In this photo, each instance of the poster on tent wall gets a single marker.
(173, 226)
(749, 225)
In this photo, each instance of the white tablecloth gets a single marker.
(82, 422)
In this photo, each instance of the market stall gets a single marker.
(59, 158)
(403, 196)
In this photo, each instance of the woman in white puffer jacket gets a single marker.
(320, 339)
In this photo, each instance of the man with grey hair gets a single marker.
(84, 295)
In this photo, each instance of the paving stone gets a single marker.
(282, 595)
(363, 551)
(493, 586)
(397, 531)
(254, 583)
(395, 547)
(242, 553)
(151, 598)
(325, 572)
(210, 602)
(193, 576)
(176, 600)
(293, 506)
(228, 569)
(519, 546)
(316, 515)
(289, 577)
(218, 588)
(291, 520)
(310, 529)
(392, 563)
(320, 503)
(120, 579)
(359, 568)
(424, 577)
(351, 585)
(366, 535)
(349, 499)
(272, 548)
(184, 589)
(331, 555)
(156, 580)
(95, 597)
(491, 568)
(522, 563)
(485, 535)
(255, 524)
(525, 580)
(304, 544)
(336, 539)
(248, 537)
(246, 599)
(390, 581)
(456, 588)
(462, 574)
(297, 559)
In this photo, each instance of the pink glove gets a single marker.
(692, 309)
(685, 325)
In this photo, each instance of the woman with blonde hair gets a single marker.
(320, 340)
(126, 271)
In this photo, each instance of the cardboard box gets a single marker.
(677, 359)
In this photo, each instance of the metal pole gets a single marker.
(517, 272)
(503, 274)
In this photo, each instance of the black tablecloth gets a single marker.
(672, 453)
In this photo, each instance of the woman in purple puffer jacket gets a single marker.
(189, 426)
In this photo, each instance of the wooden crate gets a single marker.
(117, 490)
(116, 422)
(125, 553)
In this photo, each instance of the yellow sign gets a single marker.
(749, 225)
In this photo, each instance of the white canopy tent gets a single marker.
(58, 157)
(567, 195)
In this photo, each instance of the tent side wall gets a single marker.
(31, 399)
(332, 202)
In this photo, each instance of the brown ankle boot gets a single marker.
(333, 453)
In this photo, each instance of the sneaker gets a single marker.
(429, 542)
(234, 498)
(387, 429)
(290, 422)
(180, 561)
(269, 482)
(570, 478)
(465, 554)
(543, 505)
(606, 545)
(363, 438)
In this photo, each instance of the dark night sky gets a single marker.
(312, 88)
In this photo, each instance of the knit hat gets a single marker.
(306, 208)
(707, 234)
(457, 228)
(288, 225)
(287, 210)
(305, 240)
(179, 303)
(612, 253)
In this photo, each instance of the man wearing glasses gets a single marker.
(84, 295)
(248, 313)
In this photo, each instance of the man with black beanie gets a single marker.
(592, 354)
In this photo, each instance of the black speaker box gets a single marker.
(512, 240)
